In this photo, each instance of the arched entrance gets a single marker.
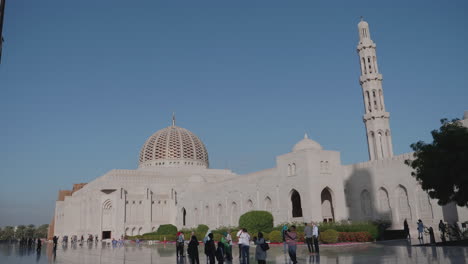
(184, 214)
(296, 204)
(328, 214)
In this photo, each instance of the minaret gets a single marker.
(376, 119)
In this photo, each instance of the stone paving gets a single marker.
(383, 252)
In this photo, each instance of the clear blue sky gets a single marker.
(84, 83)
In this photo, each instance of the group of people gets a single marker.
(30, 242)
(428, 230)
(222, 251)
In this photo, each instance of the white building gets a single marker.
(174, 184)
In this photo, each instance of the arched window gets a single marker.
(296, 204)
(184, 214)
(196, 216)
(219, 215)
(385, 212)
(293, 169)
(289, 170)
(328, 214)
(234, 214)
(249, 205)
(425, 207)
(107, 215)
(404, 210)
(268, 204)
(366, 204)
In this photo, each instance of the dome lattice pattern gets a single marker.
(173, 146)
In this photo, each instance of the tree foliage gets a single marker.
(441, 167)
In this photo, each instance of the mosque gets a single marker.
(174, 183)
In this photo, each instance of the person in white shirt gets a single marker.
(244, 241)
(239, 243)
(315, 233)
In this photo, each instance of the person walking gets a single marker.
(260, 251)
(210, 249)
(193, 250)
(406, 229)
(283, 231)
(244, 240)
(316, 235)
(291, 240)
(308, 233)
(55, 241)
(180, 244)
(239, 243)
(443, 230)
(420, 229)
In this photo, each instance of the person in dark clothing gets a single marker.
(406, 229)
(193, 250)
(210, 249)
(442, 230)
(220, 253)
(55, 240)
(39, 245)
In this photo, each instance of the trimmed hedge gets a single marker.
(167, 230)
(351, 227)
(275, 236)
(329, 236)
(256, 221)
(354, 237)
(202, 229)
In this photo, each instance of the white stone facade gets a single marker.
(174, 184)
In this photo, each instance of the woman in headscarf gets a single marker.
(193, 250)
(283, 234)
(210, 249)
(227, 246)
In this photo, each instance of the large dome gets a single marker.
(173, 146)
(306, 143)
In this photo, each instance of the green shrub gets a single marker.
(275, 236)
(165, 230)
(329, 236)
(217, 236)
(202, 229)
(351, 227)
(256, 221)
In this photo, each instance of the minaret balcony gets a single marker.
(370, 76)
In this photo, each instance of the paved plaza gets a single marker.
(385, 252)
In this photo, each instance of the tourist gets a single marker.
(308, 233)
(406, 229)
(226, 240)
(283, 231)
(260, 251)
(244, 240)
(180, 244)
(420, 229)
(39, 245)
(291, 240)
(238, 243)
(193, 250)
(430, 230)
(443, 230)
(316, 235)
(220, 253)
(210, 249)
(55, 241)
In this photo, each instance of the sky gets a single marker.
(84, 83)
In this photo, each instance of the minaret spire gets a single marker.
(173, 119)
(376, 118)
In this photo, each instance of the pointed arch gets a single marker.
(385, 211)
(296, 203)
(328, 212)
(366, 204)
(234, 214)
(268, 204)
(184, 215)
(249, 205)
(404, 209)
(219, 215)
